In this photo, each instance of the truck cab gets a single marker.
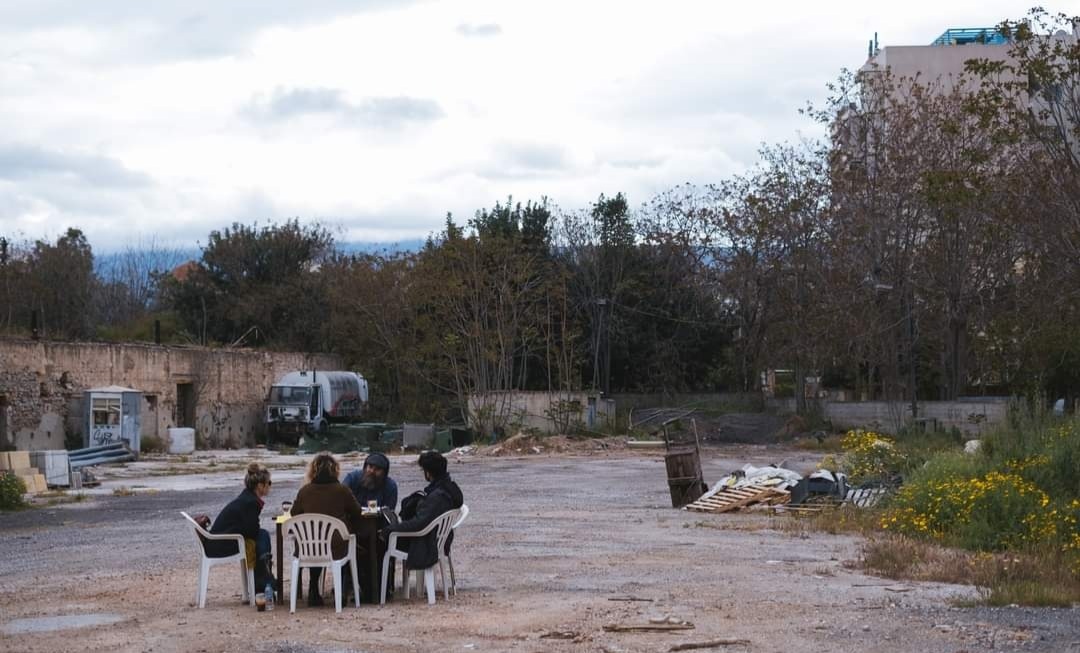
(308, 401)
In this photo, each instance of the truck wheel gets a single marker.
(323, 427)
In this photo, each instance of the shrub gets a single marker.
(1058, 461)
(948, 465)
(152, 444)
(11, 492)
(869, 456)
(1046, 452)
(919, 447)
(1016, 503)
(994, 512)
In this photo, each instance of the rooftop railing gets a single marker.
(966, 35)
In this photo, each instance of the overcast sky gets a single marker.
(135, 120)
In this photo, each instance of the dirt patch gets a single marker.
(524, 444)
(554, 543)
(747, 428)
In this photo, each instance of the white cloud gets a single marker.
(174, 118)
(479, 31)
(286, 104)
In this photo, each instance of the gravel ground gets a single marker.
(551, 540)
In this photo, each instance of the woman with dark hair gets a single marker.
(324, 494)
(241, 517)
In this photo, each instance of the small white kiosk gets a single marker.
(111, 415)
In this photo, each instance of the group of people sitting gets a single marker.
(323, 493)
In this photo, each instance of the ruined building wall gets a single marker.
(219, 392)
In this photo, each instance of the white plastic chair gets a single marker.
(314, 534)
(247, 575)
(463, 512)
(441, 525)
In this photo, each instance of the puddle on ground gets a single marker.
(59, 622)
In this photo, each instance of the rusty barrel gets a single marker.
(685, 480)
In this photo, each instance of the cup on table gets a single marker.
(373, 505)
(260, 602)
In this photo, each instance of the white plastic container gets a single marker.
(53, 465)
(181, 440)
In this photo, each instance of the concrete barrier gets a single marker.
(181, 440)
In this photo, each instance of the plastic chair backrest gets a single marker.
(314, 534)
(445, 524)
(463, 514)
(198, 531)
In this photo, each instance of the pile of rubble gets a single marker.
(779, 489)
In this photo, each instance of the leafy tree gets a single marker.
(61, 281)
(257, 285)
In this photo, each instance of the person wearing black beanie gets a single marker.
(372, 482)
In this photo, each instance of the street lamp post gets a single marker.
(909, 318)
(600, 340)
(912, 373)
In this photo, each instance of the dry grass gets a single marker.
(61, 498)
(841, 519)
(726, 523)
(902, 558)
(1037, 578)
(152, 444)
(209, 468)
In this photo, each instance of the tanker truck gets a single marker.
(310, 400)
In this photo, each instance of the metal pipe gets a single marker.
(88, 462)
(92, 450)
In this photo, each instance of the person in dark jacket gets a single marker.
(372, 482)
(241, 517)
(325, 495)
(421, 508)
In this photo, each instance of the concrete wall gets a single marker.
(934, 63)
(732, 402)
(970, 416)
(42, 384)
(540, 410)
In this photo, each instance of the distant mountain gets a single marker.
(372, 247)
(114, 263)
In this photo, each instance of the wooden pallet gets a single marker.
(734, 498)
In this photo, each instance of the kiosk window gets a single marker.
(106, 412)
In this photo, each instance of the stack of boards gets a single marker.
(18, 463)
